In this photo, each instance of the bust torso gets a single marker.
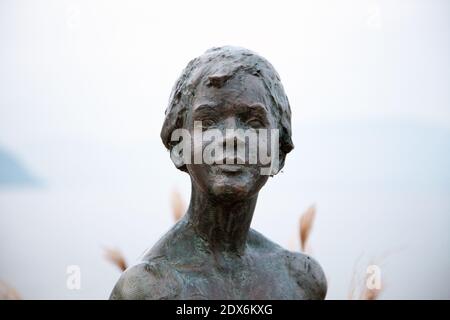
(179, 266)
(234, 120)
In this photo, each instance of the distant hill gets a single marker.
(13, 172)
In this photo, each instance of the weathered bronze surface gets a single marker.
(212, 253)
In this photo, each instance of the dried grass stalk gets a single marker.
(306, 225)
(116, 257)
(8, 293)
(178, 207)
(370, 294)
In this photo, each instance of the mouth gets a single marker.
(230, 168)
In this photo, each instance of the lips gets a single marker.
(230, 167)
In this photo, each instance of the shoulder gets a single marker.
(308, 274)
(259, 242)
(303, 269)
(147, 280)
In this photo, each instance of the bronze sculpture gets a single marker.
(212, 253)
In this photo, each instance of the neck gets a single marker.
(224, 225)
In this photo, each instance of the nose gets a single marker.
(228, 126)
(233, 142)
(230, 123)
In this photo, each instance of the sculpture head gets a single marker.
(224, 90)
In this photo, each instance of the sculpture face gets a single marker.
(241, 103)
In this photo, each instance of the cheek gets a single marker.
(260, 181)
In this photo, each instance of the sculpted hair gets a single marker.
(214, 68)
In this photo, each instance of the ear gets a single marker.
(180, 151)
(177, 156)
(276, 170)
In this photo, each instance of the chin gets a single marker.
(228, 184)
(230, 192)
(233, 188)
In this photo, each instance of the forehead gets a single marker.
(242, 89)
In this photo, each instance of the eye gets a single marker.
(207, 123)
(255, 123)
